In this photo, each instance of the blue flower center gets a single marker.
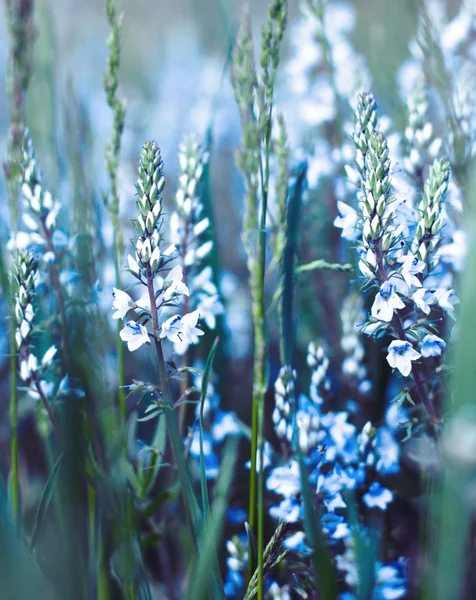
(386, 290)
(134, 327)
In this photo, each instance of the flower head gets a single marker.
(173, 284)
(386, 301)
(347, 221)
(378, 496)
(411, 266)
(432, 345)
(400, 356)
(135, 335)
(122, 303)
(182, 329)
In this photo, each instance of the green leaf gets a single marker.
(289, 256)
(202, 571)
(158, 444)
(45, 500)
(324, 574)
(203, 397)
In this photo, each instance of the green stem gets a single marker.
(15, 482)
(121, 375)
(190, 502)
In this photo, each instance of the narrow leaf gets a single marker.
(45, 500)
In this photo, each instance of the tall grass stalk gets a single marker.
(254, 161)
(113, 150)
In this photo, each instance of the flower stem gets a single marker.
(190, 502)
(121, 375)
(15, 483)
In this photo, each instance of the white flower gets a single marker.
(122, 303)
(285, 480)
(410, 268)
(28, 367)
(135, 335)
(133, 266)
(432, 345)
(182, 329)
(209, 307)
(386, 301)
(423, 298)
(368, 264)
(347, 221)
(447, 299)
(48, 357)
(400, 356)
(173, 284)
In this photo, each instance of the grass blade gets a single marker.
(199, 579)
(45, 500)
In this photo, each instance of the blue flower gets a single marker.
(378, 496)
(288, 510)
(432, 345)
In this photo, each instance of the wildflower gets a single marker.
(378, 496)
(122, 304)
(182, 329)
(400, 356)
(347, 221)
(48, 356)
(173, 284)
(28, 367)
(368, 264)
(446, 300)
(133, 265)
(135, 335)
(297, 543)
(209, 307)
(432, 345)
(390, 582)
(410, 268)
(386, 301)
(431, 220)
(424, 298)
(285, 480)
(288, 510)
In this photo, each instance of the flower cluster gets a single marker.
(341, 460)
(149, 261)
(41, 211)
(26, 274)
(188, 230)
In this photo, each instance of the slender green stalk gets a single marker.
(190, 502)
(113, 150)
(14, 476)
(254, 162)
